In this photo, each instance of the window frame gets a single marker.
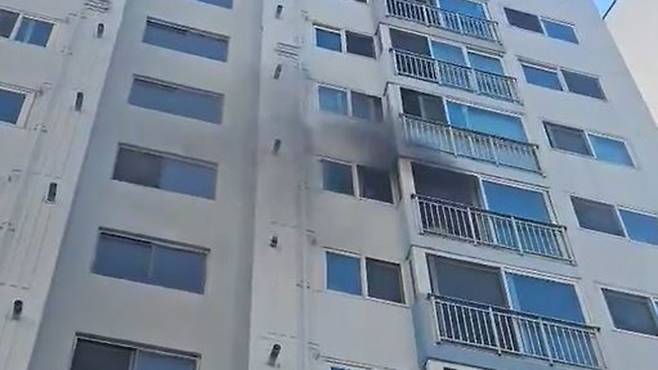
(465, 50)
(350, 109)
(28, 102)
(187, 29)
(541, 19)
(558, 70)
(19, 21)
(482, 3)
(134, 347)
(363, 275)
(356, 185)
(342, 32)
(651, 299)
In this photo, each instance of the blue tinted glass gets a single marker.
(463, 6)
(448, 53)
(186, 41)
(188, 178)
(495, 124)
(640, 227)
(631, 312)
(34, 32)
(584, 85)
(11, 104)
(541, 77)
(122, 258)
(610, 150)
(7, 22)
(560, 31)
(485, 63)
(201, 105)
(516, 201)
(545, 298)
(179, 269)
(332, 100)
(158, 361)
(328, 39)
(222, 3)
(343, 273)
(337, 177)
(457, 114)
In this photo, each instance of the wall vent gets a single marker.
(101, 6)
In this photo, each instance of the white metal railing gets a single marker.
(508, 331)
(454, 75)
(471, 144)
(480, 226)
(433, 16)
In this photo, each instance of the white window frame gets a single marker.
(28, 102)
(350, 108)
(465, 50)
(447, 100)
(364, 277)
(558, 70)
(169, 155)
(441, 365)
(19, 22)
(652, 300)
(541, 20)
(482, 3)
(343, 38)
(355, 181)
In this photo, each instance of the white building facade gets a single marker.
(327, 184)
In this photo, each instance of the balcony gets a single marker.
(432, 16)
(507, 331)
(470, 144)
(425, 68)
(479, 226)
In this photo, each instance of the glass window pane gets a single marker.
(448, 53)
(597, 216)
(523, 20)
(332, 100)
(158, 361)
(11, 104)
(610, 150)
(422, 105)
(186, 41)
(495, 123)
(122, 258)
(181, 101)
(486, 63)
(384, 280)
(467, 7)
(179, 269)
(541, 77)
(223, 3)
(444, 184)
(343, 273)
(328, 39)
(566, 138)
(545, 298)
(188, 178)
(337, 177)
(560, 31)
(91, 355)
(366, 107)
(631, 312)
(584, 85)
(640, 227)
(515, 201)
(360, 44)
(7, 22)
(34, 32)
(138, 167)
(409, 42)
(467, 281)
(375, 184)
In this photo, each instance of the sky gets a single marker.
(603, 4)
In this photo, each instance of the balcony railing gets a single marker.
(435, 17)
(480, 226)
(470, 144)
(508, 331)
(454, 75)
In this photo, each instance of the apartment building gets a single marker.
(323, 184)
(631, 22)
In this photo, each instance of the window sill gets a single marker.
(639, 335)
(620, 238)
(364, 298)
(594, 159)
(361, 199)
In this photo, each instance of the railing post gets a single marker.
(545, 343)
(469, 214)
(453, 144)
(517, 237)
(493, 150)
(494, 328)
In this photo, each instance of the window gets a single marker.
(186, 40)
(470, 8)
(164, 172)
(150, 262)
(178, 100)
(223, 3)
(538, 296)
(582, 84)
(550, 28)
(328, 39)
(358, 105)
(7, 22)
(384, 280)
(344, 273)
(22, 28)
(337, 177)
(360, 44)
(561, 79)
(592, 145)
(640, 227)
(632, 312)
(597, 216)
(514, 201)
(485, 121)
(92, 354)
(11, 105)
(410, 42)
(372, 183)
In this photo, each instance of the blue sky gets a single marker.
(603, 4)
